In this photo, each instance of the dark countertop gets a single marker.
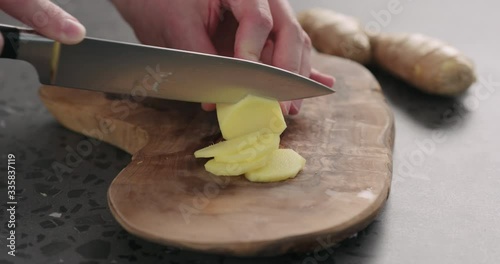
(444, 203)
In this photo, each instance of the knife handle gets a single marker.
(26, 45)
(10, 36)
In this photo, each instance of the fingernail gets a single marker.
(252, 57)
(208, 107)
(72, 31)
(246, 55)
(285, 107)
(295, 107)
(333, 82)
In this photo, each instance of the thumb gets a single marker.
(47, 19)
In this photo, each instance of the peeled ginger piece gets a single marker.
(228, 147)
(252, 129)
(264, 146)
(249, 115)
(235, 169)
(282, 164)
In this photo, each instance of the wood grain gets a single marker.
(346, 138)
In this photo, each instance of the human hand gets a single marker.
(45, 18)
(257, 30)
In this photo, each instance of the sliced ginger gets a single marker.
(251, 114)
(282, 164)
(252, 129)
(228, 147)
(260, 148)
(235, 169)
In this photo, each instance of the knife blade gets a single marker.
(141, 70)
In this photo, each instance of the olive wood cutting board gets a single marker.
(165, 195)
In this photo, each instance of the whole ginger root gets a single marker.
(336, 34)
(429, 64)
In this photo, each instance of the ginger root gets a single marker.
(252, 129)
(336, 34)
(429, 64)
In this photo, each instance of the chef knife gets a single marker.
(141, 70)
